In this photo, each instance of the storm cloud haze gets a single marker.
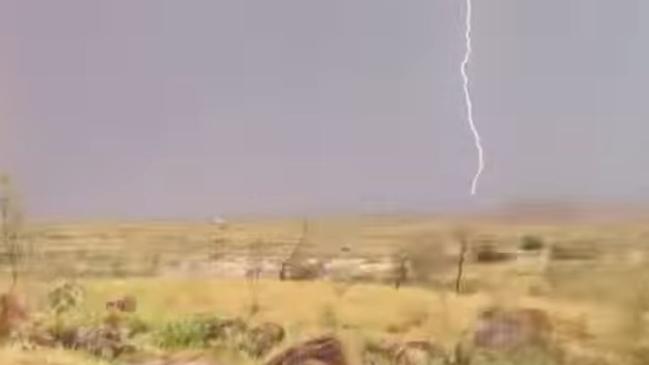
(193, 108)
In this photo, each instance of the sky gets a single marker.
(189, 109)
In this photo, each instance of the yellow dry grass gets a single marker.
(584, 304)
(414, 313)
(16, 356)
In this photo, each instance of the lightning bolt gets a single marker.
(467, 98)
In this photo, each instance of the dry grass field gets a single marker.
(590, 279)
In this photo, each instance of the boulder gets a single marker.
(326, 350)
(106, 342)
(502, 335)
(507, 329)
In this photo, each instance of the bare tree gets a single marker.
(401, 274)
(11, 224)
(293, 255)
(462, 237)
(13, 310)
(253, 274)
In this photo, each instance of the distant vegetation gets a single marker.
(532, 243)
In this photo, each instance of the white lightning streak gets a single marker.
(467, 97)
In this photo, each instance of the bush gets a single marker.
(65, 296)
(489, 254)
(182, 334)
(532, 243)
(201, 332)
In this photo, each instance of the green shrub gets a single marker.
(199, 332)
(65, 297)
(182, 334)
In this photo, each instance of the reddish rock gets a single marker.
(323, 351)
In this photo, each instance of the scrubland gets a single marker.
(590, 279)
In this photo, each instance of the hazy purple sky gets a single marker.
(156, 108)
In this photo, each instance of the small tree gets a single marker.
(11, 224)
(461, 236)
(292, 267)
(400, 269)
(255, 262)
(293, 255)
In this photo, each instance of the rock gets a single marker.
(105, 342)
(325, 350)
(506, 329)
(263, 338)
(509, 336)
